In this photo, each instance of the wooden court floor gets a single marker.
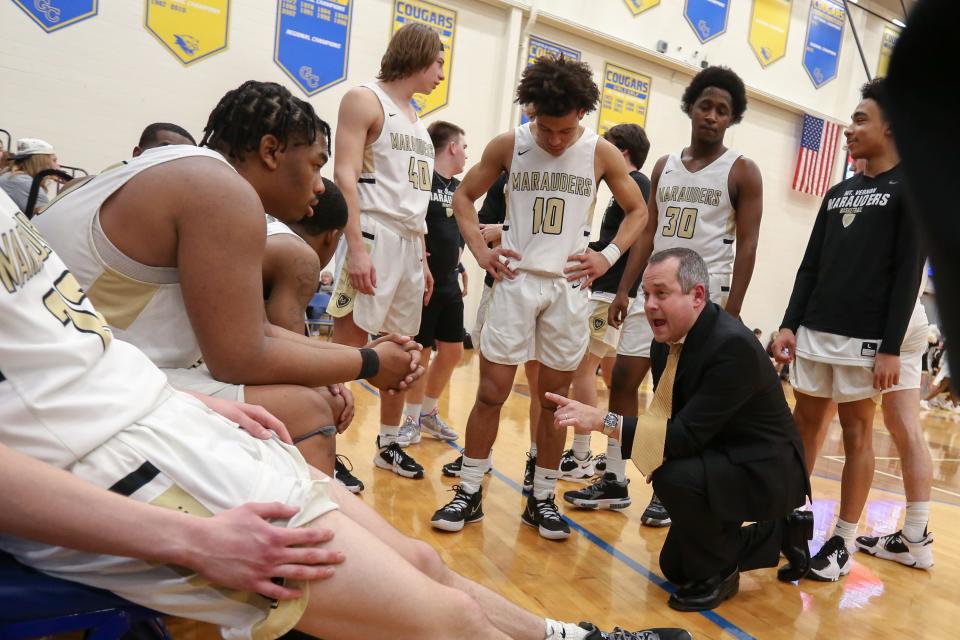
(607, 571)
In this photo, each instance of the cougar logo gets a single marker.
(343, 300)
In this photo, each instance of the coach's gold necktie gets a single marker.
(651, 432)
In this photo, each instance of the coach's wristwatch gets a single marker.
(610, 423)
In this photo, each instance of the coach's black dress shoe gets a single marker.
(797, 532)
(706, 594)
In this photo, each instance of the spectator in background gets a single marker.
(326, 282)
(33, 156)
(162, 134)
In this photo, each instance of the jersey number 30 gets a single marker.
(680, 223)
(548, 215)
(63, 302)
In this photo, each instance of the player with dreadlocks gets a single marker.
(170, 246)
(543, 267)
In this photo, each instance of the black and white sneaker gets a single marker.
(655, 515)
(600, 464)
(572, 468)
(452, 469)
(342, 473)
(393, 458)
(605, 493)
(895, 547)
(543, 515)
(464, 508)
(832, 562)
(660, 633)
(528, 472)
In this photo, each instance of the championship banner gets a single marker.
(51, 15)
(890, 36)
(190, 29)
(707, 18)
(769, 26)
(821, 51)
(637, 7)
(624, 99)
(540, 47)
(444, 21)
(312, 42)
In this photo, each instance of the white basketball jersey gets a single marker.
(694, 211)
(67, 384)
(276, 228)
(396, 178)
(549, 202)
(143, 304)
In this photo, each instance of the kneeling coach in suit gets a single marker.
(718, 439)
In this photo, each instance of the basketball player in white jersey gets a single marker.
(292, 261)
(543, 268)
(706, 198)
(384, 167)
(76, 397)
(170, 246)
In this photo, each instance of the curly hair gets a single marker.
(555, 86)
(876, 90)
(721, 78)
(256, 109)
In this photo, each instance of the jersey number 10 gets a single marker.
(548, 215)
(420, 176)
(680, 223)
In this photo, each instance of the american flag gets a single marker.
(818, 150)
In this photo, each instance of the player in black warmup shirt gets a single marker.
(609, 491)
(441, 325)
(851, 305)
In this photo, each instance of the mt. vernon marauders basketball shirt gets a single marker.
(861, 271)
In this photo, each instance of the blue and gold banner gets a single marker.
(541, 47)
(637, 7)
(624, 99)
(707, 18)
(444, 21)
(51, 15)
(769, 27)
(190, 29)
(312, 42)
(889, 41)
(821, 51)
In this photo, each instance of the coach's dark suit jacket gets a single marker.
(729, 409)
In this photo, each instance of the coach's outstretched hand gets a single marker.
(399, 362)
(240, 549)
(569, 413)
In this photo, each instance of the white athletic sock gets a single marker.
(847, 531)
(555, 630)
(471, 473)
(429, 404)
(615, 463)
(581, 446)
(412, 410)
(533, 449)
(388, 434)
(544, 482)
(915, 520)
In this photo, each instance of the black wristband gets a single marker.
(369, 364)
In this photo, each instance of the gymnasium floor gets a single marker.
(607, 571)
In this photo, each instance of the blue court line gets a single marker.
(712, 616)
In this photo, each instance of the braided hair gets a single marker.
(255, 109)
